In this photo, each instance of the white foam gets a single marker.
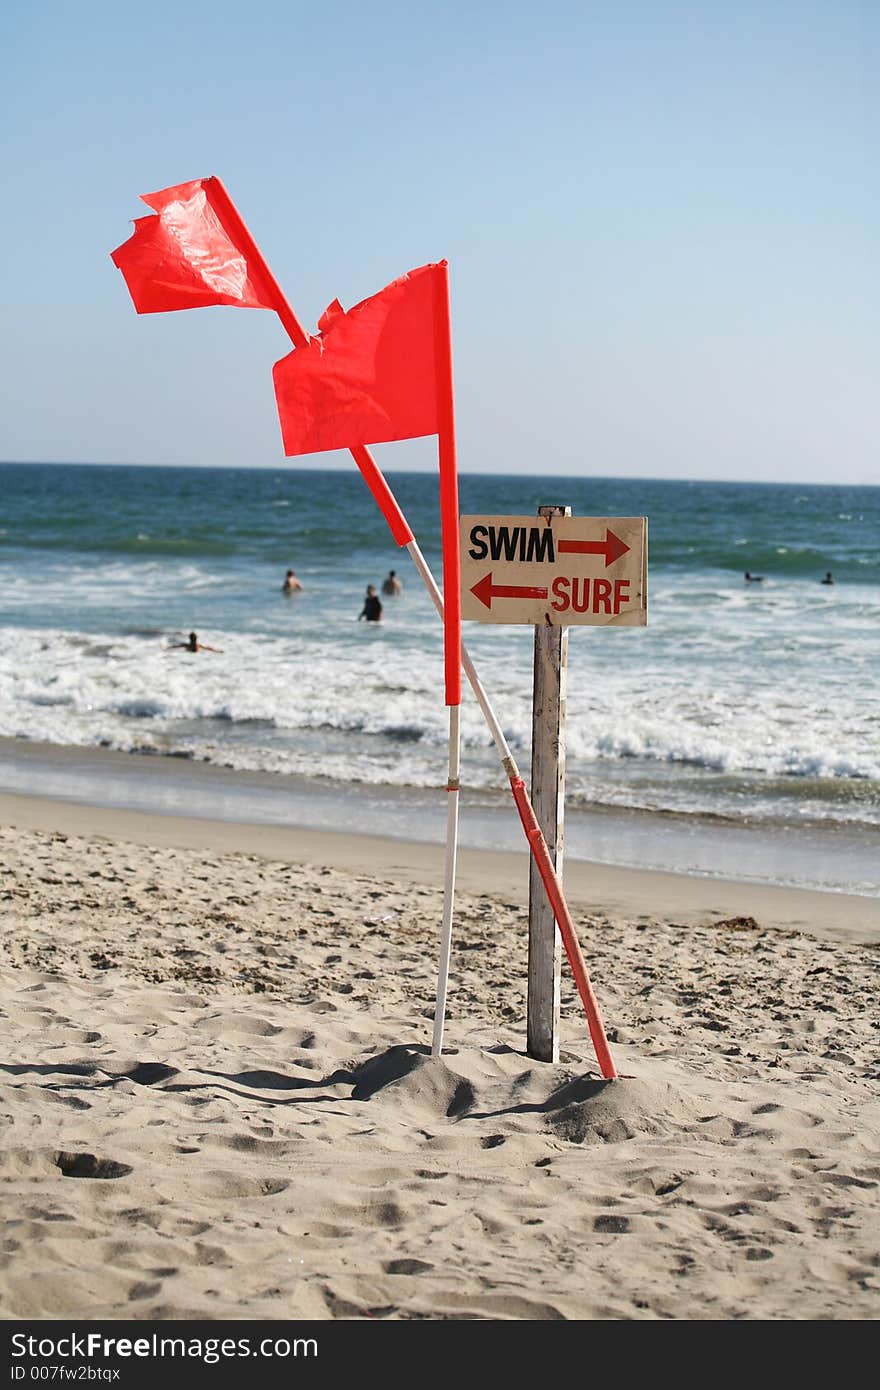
(724, 684)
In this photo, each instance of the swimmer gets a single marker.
(392, 584)
(827, 579)
(291, 584)
(194, 645)
(372, 609)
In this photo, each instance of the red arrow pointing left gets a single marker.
(485, 591)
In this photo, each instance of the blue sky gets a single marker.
(661, 220)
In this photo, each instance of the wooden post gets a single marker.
(548, 799)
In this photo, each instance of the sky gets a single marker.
(661, 221)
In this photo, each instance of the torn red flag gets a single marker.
(370, 375)
(189, 256)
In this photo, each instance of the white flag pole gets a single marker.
(449, 527)
(452, 788)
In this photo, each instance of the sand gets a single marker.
(219, 1100)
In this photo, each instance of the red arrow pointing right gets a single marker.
(612, 547)
(485, 591)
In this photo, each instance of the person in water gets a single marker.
(291, 584)
(392, 584)
(754, 578)
(372, 609)
(194, 645)
(827, 579)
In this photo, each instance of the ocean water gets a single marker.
(753, 701)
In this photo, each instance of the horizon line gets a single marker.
(426, 471)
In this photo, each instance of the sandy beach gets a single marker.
(219, 1101)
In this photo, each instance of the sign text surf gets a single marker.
(560, 570)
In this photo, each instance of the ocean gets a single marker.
(738, 733)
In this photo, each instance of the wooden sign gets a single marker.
(555, 571)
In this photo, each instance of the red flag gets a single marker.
(380, 372)
(191, 255)
(369, 376)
